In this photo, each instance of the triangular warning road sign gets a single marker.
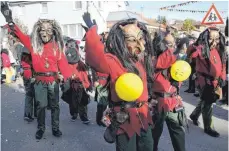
(212, 17)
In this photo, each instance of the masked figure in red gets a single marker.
(76, 96)
(166, 101)
(211, 74)
(28, 80)
(46, 48)
(128, 49)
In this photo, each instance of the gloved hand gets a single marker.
(65, 86)
(6, 12)
(87, 20)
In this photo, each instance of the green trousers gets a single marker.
(144, 142)
(45, 93)
(206, 110)
(175, 127)
(30, 104)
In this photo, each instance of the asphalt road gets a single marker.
(18, 135)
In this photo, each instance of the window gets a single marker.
(72, 30)
(99, 4)
(44, 8)
(80, 31)
(77, 5)
(21, 10)
(65, 30)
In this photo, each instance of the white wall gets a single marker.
(64, 13)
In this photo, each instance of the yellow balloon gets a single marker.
(180, 70)
(129, 87)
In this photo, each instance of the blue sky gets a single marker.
(151, 9)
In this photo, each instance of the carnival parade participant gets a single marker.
(46, 49)
(76, 96)
(210, 67)
(168, 105)
(128, 49)
(28, 80)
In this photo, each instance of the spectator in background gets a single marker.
(6, 66)
(182, 48)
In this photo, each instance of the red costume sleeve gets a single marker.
(64, 67)
(197, 52)
(25, 39)
(165, 60)
(95, 55)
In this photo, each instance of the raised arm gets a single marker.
(7, 13)
(24, 39)
(95, 55)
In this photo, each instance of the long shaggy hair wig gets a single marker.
(115, 45)
(159, 44)
(203, 40)
(57, 38)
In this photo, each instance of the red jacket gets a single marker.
(80, 71)
(110, 64)
(26, 64)
(216, 68)
(57, 61)
(162, 83)
(5, 60)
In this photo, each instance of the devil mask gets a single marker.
(46, 32)
(134, 40)
(162, 42)
(213, 39)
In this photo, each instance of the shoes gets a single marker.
(56, 133)
(101, 124)
(196, 95)
(28, 119)
(187, 90)
(85, 120)
(39, 134)
(194, 120)
(191, 91)
(211, 132)
(74, 117)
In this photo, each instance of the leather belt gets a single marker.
(211, 78)
(128, 104)
(46, 74)
(27, 68)
(164, 95)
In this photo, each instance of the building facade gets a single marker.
(67, 13)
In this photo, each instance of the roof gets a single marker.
(122, 15)
(14, 3)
